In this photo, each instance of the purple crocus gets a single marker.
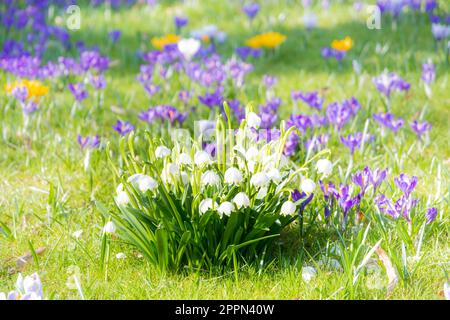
(428, 73)
(420, 128)
(212, 99)
(312, 99)
(123, 127)
(388, 120)
(386, 83)
(345, 200)
(269, 81)
(98, 81)
(297, 195)
(352, 141)
(328, 53)
(430, 215)
(440, 31)
(362, 179)
(377, 177)
(78, 91)
(115, 35)
(406, 184)
(180, 22)
(88, 142)
(251, 10)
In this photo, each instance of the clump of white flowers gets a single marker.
(221, 198)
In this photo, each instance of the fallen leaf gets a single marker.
(23, 260)
(390, 270)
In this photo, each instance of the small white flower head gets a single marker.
(143, 182)
(188, 47)
(185, 159)
(210, 178)
(308, 273)
(109, 228)
(202, 158)
(274, 175)
(251, 166)
(253, 120)
(324, 167)
(122, 198)
(162, 152)
(233, 176)
(259, 179)
(119, 188)
(252, 154)
(206, 204)
(288, 208)
(225, 208)
(120, 256)
(77, 234)
(241, 200)
(307, 186)
(184, 177)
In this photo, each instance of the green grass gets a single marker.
(47, 155)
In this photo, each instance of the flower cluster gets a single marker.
(268, 40)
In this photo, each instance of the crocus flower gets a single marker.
(309, 20)
(377, 177)
(98, 82)
(420, 128)
(388, 120)
(269, 81)
(440, 31)
(88, 142)
(345, 201)
(386, 83)
(180, 22)
(312, 99)
(251, 10)
(428, 73)
(123, 127)
(188, 47)
(28, 288)
(343, 45)
(362, 179)
(352, 141)
(115, 35)
(430, 215)
(405, 183)
(78, 91)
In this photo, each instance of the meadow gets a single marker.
(64, 216)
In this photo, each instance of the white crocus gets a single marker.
(241, 200)
(185, 159)
(210, 178)
(308, 273)
(288, 208)
(259, 179)
(324, 167)
(202, 158)
(77, 234)
(225, 208)
(109, 228)
(274, 175)
(188, 47)
(206, 204)
(307, 186)
(233, 176)
(120, 256)
(253, 120)
(162, 152)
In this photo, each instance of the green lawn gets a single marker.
(45, 194)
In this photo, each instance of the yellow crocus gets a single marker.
(342, 45)
(266, 40)
(35, 88)
(160, 42)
